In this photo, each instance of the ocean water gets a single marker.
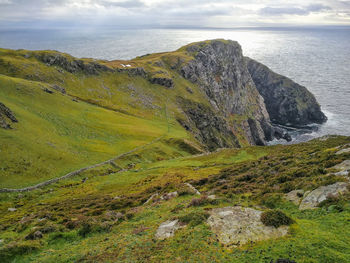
(318, 58)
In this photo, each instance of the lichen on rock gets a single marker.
(236, 226)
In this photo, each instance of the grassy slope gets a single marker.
(56, 135)
(319, 235)
(115, 113)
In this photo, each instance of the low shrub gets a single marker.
(275, 218)
(194, 218)
(15, 248)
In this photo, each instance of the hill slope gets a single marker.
(168, 167)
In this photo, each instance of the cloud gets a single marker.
(302, 11)
(216, 13)
(123, 4)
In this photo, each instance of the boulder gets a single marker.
(237, 226)
(313, 199)
(193, 188)
(347, 150)
(167, 229)
(295, 196)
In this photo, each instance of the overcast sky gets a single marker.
(198, 13)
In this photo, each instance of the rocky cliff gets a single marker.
(220, 97)
(287, 102)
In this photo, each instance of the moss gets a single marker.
(275, 218)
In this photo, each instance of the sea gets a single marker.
(315, 57)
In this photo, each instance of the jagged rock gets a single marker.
(48, 90)
(287, 102)
(70, 64)
(11, 209)
(166, 82)
(238, 225)
(209, 128)
(295, 196)
(59, 89)
(167, 229)
(322, 193)
(221, 72)
(6, 113)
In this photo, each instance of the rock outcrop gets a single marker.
(6, 115)
(220, 70)
(236, 226)
(70, 64)
(295, 196)
(167, 229)
(287, 102)
(314, 198)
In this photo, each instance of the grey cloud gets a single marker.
(123, 4)
(273, 11)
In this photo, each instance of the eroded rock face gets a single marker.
(313, 199)
(70, 64)
(287, 102)
(221, 72)
(6, 115)
(238, 226)
(167, 229)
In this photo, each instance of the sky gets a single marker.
(172, 13)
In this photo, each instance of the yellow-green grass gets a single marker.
(319, 235)
(56, 135)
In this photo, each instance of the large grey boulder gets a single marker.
(313, 199)
(237, 226)
(167, 229)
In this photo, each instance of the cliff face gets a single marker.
(219, 69)
(287, 102)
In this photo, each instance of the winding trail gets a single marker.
(77, 172)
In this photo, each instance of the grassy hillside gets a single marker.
(76, 113)
(76, 215)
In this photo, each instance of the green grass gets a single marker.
(319, 235)
(104, 115)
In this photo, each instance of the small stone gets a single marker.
(212, 197)
(193, 189)
(169, 196)
(11, 209)
(167, 229)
